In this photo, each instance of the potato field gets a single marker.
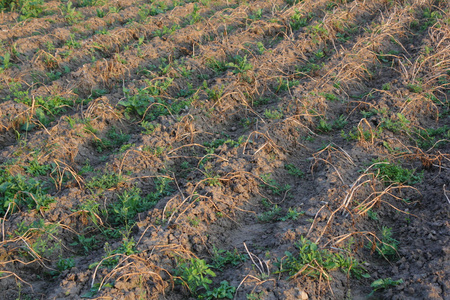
(224, 149)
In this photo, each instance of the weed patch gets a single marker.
(315, 262)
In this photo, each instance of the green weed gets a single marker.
(395, 174)
(292, 2)
(343, 37)
(318, 32)
(113, 139)
(215, 93)
(284, 84)
(70, 14)
(388, 246)
(309, 68)
(270, 216)
(148, 103)
(112, 256)
(383, 283)
(18, 190)
(29, 8)
(87, 244)
(214, 144)
(36, 169)
(340, 122)
(162, 188)
(224, 291)
(273, 114)
(45, 107)
(221, 258)
(359, 135)
(104, 182)
(396, 123)
(6, 60)
(330, 96)
(387, 57)
(298, 20)
(372, 215)
(194, 17)
(415, 88)
(429, 18)
(166, 30)
(256, 15)
(72, 43)
(293, 170)
(217, 65)
(195, 275)
(42, 236)
(386, 86)
(274, 186)
(54, 75)
(323, 126)
(239, 64)
(65, 264)
(130, 203)
(292, 214)
(427, 138)
(315, 262)
(100, 13)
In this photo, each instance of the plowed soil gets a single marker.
(138, 138)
